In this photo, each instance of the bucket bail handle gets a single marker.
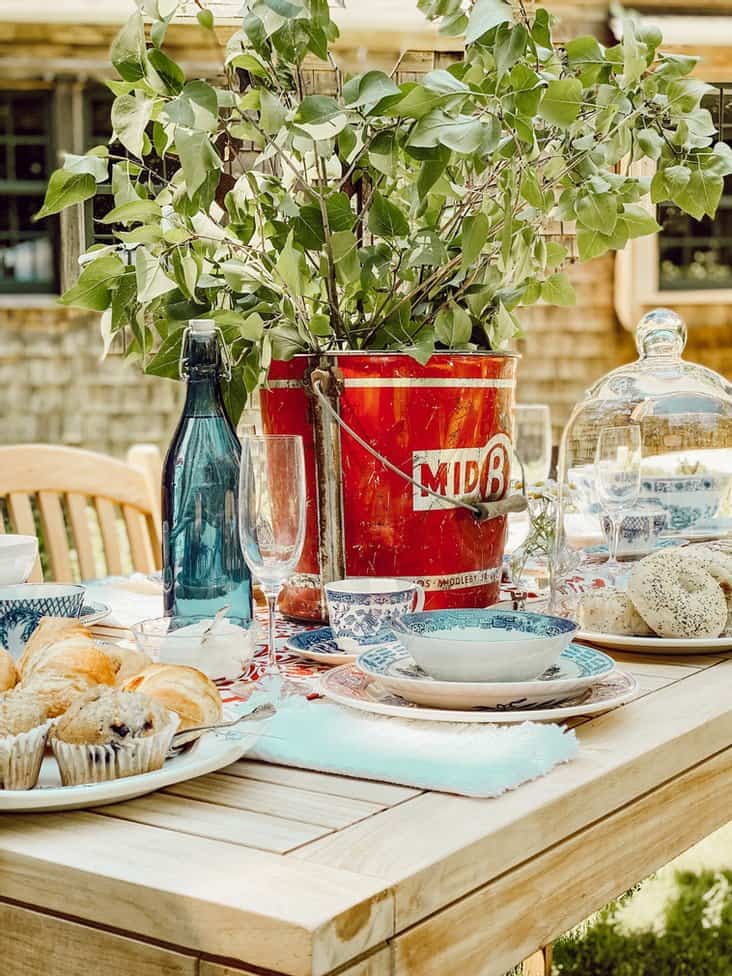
(322, 380)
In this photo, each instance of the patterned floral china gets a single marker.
(23, 605)
(93, 612)
(360, 609)
(319, 645)
(348, 685)
(577, 669)
(484, 645)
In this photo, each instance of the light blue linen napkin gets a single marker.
(471, 760)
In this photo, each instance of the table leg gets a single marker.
(540, 964)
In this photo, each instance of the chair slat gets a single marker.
(54, 534)
(110, 535)
(21, 518)
(140, 547)
(79, 519)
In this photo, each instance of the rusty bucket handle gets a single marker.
(483, 511)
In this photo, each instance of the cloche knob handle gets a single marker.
(661, 332)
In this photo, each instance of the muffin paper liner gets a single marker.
(99, 763)
(21, 756)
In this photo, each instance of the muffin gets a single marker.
(8, 672)
(108, 734)
(188, 692)
(61, 672)
(24, 728)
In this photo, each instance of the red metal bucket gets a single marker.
(446, 424)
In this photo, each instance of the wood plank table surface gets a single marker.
(262, 869)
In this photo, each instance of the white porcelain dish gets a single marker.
(484, 645)
(672, 646)
(348, 685)
(17, 556)
(211, 752)
(579, 667)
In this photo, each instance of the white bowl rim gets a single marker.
(39, 591)
(137, 628)
(369, 585)
(8, 539)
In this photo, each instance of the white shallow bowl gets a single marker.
(17, 556)
(484, 645)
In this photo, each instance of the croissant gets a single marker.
(126, 661)
(184, 690)
(8, 672)
(50, 630)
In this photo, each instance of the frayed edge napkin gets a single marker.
(471, 760)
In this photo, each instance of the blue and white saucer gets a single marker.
(319, 645)
(93, 612)
(578, 669)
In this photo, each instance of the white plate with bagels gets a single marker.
(675, 602)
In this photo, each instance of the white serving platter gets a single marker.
(212, 751)
(350, 686)
(672, 646)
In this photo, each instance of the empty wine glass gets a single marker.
(272, 517)
(617, 480)
(532, 440)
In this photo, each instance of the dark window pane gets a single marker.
(30, 162)
(30, 113)
(4, 171)
(26, 207)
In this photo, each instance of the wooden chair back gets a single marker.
(94, 515)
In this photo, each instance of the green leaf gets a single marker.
(127, 52)
(64, 189)
(509, 46)
(638, 221)
(598, 211)
(206, 19)
(186, 271)
(485, 15)
(290, 267)
(591, 243)
(151, 279)
(442, 81)
(474, 236)
(196, 107)
(429, 172)
(96, 282)
(453, 326)
(503, 328)
(700, 195)
(317, 109)
(135, 210)
(464, 135)
(367, 90)
(556, 254)
(531, 190)
(561, 102)
(586, 55)
(272, 112)
(386, 219)
(526, 86)
(319, 325)
(166, 361)
(345, 254)
(171, 73)
(284, 8)
(558, 290)
(92, 163)
(340, 214)
(130, 116)
(416, 102)
(248, 62)
(308, 227)
(197, 156)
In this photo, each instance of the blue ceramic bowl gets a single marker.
(23, 605)
(484, 645)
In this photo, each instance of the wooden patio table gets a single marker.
(261, 869)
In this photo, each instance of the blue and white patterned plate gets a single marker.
(578, 668)
(93, 612)
(319, 645)
(350, 686)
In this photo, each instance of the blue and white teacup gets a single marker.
(639, 529)
(360, 609)
(23, 605)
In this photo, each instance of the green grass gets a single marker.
(692, 935)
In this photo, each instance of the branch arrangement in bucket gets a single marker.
(385, 216)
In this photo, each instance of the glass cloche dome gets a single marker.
(684, 473)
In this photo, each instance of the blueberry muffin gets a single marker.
(108, 734)
(24, 729)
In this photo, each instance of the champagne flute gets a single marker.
(272, 519)
(532, 440)
(617, 480)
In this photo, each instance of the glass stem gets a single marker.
(272, 665)
(615, 523)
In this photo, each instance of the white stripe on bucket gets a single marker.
(405, 382)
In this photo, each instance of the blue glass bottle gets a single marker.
(203, 565)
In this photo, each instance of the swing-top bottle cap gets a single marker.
(202, 326)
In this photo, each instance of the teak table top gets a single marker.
(263, 868)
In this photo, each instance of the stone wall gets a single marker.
(55, 389)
